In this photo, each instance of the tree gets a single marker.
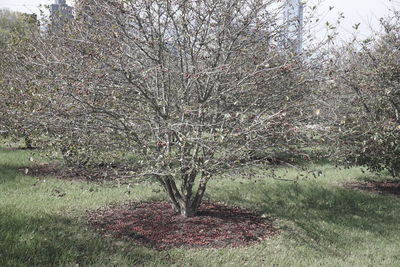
(15, 26)
(369, 78)
(192, 88)
(16, 30)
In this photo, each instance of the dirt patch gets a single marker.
(63, 172)
(155, 225)
(58, 171)
(386, 187)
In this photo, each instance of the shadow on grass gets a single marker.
(59, 241)
(36, 238)
(7, 173)
(14, 157)
(380, 177)
(322, 217)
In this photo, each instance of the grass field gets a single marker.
(43, 221)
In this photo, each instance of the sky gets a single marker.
(366, 12)
(27, 6)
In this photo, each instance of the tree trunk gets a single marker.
(180, 205)
(184, 205)
(28, 142)
(187, 209)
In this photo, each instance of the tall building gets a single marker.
(60, 12)
(293, 19)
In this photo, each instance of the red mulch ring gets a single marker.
(156, 225)
(385, 188)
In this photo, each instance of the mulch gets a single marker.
(380, 187)
(155, 225)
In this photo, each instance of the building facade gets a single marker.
(293, 21)
(60, 12)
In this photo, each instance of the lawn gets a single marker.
(43, 220)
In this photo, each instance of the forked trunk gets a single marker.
(185, 209)
(185, 204)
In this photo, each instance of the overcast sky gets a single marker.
(366, 12)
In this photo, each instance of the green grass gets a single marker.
(322, 224)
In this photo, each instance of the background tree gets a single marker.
(16, 31)
(191, 88)
(368, 116)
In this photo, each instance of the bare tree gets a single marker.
(192, 88)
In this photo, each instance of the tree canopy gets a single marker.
(189, 89)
